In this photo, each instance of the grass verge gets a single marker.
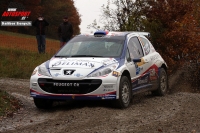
(18, 58)
(16, 63)
(8, 104)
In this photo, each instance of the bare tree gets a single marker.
(122, 15)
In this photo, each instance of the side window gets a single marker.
(135, 48)
(146, 45)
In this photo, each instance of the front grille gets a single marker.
(69, 86)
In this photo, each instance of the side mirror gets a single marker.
(136, 60)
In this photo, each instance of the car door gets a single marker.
(130, 65)
(152, 69)
(141, 80)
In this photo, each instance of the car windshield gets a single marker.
(90, 46)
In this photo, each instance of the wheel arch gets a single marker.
(119, 102)
(164, 66)
(127, 74)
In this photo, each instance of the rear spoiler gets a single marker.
(147, 34)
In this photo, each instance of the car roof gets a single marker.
(117, 33)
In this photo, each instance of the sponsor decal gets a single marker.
(116, 74)
(78, 75)
(138, 69)
(84, 63)
(57, 74)
(66, 84)
(73, 63)
(143, 81)
(153, 74)
(139, 81)
(108, 89)
(108, 86)
(108, 61)
(154, 57)
(109, 97)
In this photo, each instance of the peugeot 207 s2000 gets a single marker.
(101, 66)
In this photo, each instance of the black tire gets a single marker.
(125, 93)
(43, 103)
(163, 84)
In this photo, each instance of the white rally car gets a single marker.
(101, 66)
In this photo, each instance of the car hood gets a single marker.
(74, 68)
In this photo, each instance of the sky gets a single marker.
(89, 11)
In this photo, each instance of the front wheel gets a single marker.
(163, 83)
(43, 103)
(125, 94)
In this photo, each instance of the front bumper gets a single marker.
(86, 89)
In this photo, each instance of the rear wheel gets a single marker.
(163, 83)
(125, 94)
(43, 103)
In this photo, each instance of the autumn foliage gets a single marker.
(175, 28)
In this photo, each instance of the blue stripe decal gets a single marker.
(96, 69)
(141, 88)
(47, 66)
(121, 60)
(111, 96)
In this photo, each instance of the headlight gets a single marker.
(103, 71)
(34, 72)
(43, 70)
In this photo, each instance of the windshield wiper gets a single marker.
(86, 56)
